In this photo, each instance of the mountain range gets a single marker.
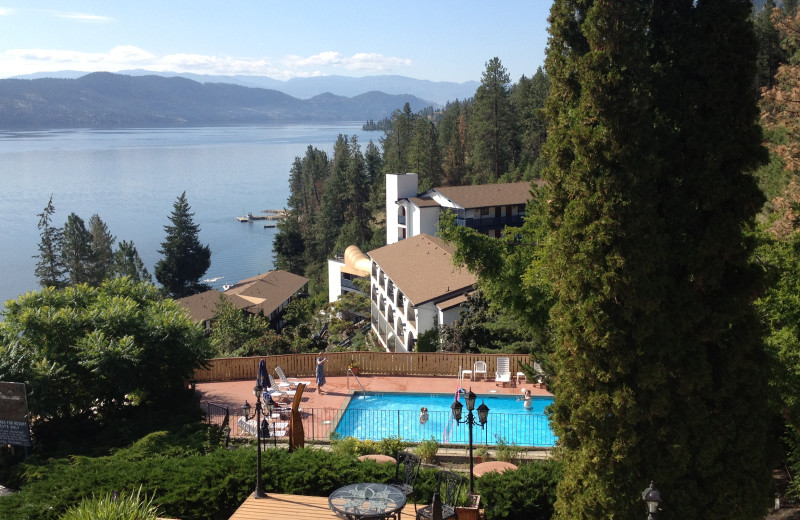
(107, 100)
(437, 92)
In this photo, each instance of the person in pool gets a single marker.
(527, 398)
(423, 415)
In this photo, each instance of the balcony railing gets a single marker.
(483, 224)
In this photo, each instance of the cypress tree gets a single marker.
(659, 359)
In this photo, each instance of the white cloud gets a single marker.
(83, 17)
(5, 11)
(26, 61)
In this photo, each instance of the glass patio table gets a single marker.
(367, 500)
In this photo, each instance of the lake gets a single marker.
(131, 178)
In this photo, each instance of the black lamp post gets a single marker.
(483, 413)
(259, 492)
(652, 498)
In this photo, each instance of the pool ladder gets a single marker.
(350, 371)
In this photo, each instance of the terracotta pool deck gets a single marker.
(234, 393)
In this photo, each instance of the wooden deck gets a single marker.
(294, 507)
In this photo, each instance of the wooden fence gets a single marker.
(374, 363)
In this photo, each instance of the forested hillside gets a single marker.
(338, 201)
(104, 100)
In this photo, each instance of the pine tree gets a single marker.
(50, 267)
(493, 143)
(185, 260)
(658, 353)
(102, 251)
(76, 251)
(128, 263)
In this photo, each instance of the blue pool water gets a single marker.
(377, 416)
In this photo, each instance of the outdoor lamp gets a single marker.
(652, 498)
(483, 413)
(257, 391)
(470, 399)
(246, 409)
(456, 407)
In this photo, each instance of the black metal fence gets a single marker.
(523, 429)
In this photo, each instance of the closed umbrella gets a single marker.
(263, 379)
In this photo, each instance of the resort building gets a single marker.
(414, 287)
(487, 208)
(266, 294)
(344, 270)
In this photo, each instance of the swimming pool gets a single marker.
(377, 416)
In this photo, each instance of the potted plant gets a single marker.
(471, 508)
(355, 366)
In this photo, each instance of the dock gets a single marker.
(268, 214)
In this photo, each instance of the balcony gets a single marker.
(485, 224)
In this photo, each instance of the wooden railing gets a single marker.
(374, 363)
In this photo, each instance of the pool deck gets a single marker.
(234, 393)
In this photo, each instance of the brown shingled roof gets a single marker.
(203, 307)
(485, 195)
(268, 291)
(422, 268)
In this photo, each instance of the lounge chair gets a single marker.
(479, 367)
(288, 382)
(277, 393)
(448, 485)
(503, 374)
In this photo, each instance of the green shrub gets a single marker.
(427, 450)
(113, 506)
(345, 446)
(525, 494)
(506, 452)
(392, 446)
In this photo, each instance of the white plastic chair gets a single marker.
(479, 367)
(503, 373)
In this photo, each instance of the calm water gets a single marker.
(131, 178)
(377, 416)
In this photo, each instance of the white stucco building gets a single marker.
(414, 286)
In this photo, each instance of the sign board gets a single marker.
(14, 427)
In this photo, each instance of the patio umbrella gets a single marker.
(263, 376)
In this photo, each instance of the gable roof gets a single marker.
(267, 292)
(486, 195)
(422, 268)
(203, 306)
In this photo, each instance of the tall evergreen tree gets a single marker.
(127, 262)
(76, 251)
(102, 262)
(50, 266)
(493, 143)
(397, 141)
(185, 260)
(658, 353)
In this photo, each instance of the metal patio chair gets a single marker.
(448, 485)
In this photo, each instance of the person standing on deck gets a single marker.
(321, 371)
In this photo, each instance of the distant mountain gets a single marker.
(437, 92)
(105, 100)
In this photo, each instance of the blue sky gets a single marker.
(433, 40)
